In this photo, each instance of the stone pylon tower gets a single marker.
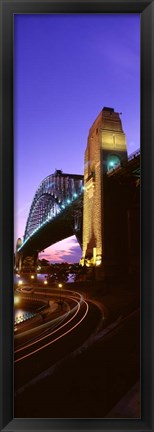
(17, 255)
(106, 148)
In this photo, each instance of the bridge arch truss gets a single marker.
(53, 195)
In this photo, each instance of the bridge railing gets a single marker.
(134, 155)
(124, 162)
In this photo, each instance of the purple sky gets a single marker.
(66, 68)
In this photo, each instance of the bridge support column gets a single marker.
(78, 226)
(106, 148)
(28, 263)
(19, 263)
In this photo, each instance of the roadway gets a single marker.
(42, 347)
(88, 383)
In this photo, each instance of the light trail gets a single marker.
(37, 339)
(56, 321)
(59, 337)
(53, 324)
(75, 294)
(54, 331)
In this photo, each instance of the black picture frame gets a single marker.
(7, 11)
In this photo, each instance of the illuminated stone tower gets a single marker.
(17, 255)
(106, 148)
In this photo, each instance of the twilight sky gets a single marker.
(66, 69)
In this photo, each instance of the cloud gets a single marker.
(66, 250)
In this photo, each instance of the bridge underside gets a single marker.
(120, 224)
(59, 228)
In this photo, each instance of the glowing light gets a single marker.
(60, 285)
(113, 162)
(45, 282)
(32, 277)
(81, 262)
(98, 262)
(20, 282)
(94, 255)
(16, 300)
(68, 201)
(75, 195)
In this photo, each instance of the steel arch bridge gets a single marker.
(54, 197)
(56, 211)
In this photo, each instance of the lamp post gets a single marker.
(45, 282)
(32, 279)
(60, 286)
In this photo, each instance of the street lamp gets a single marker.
(60, 286)
(16, 300)
(45, 282)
